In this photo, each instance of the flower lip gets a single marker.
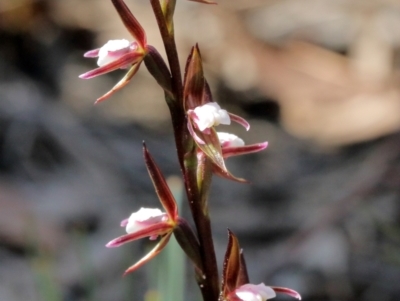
(253, 292)
(261, 292)
(113, 50)
(229, 140)
(143, 218)
(209, 115)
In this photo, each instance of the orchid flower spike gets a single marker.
(120, 54)
(232, 145)
(148, 222)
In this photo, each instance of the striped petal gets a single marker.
(157, 229)
(287, 291)
(243, 150)
(240, 120)
(123, 61)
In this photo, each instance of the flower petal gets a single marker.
(255, 292)
(229, 140)
(211, 147)
(157, 229)
(164, 193)
(208, 115)
(125, 60)
(193, 133)
(204, 1)
(243, 150)
(153, 253)
(227, 175)
(122, 83)
(240, 120)
(287, 291)
(144, 218)
(130, 22)
(92, 53)
(113, 50)
(124, 222)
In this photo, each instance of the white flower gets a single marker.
(112, 51)
(144, 218)
(253, 292)
(209, 115)
(229, 140)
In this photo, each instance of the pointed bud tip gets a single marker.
(104, 97)
(83, 76)
(195, 52)
(112, 244)
(130, 270)
(126, 273)
(91, 53)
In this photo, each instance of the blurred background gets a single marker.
(318, 79)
